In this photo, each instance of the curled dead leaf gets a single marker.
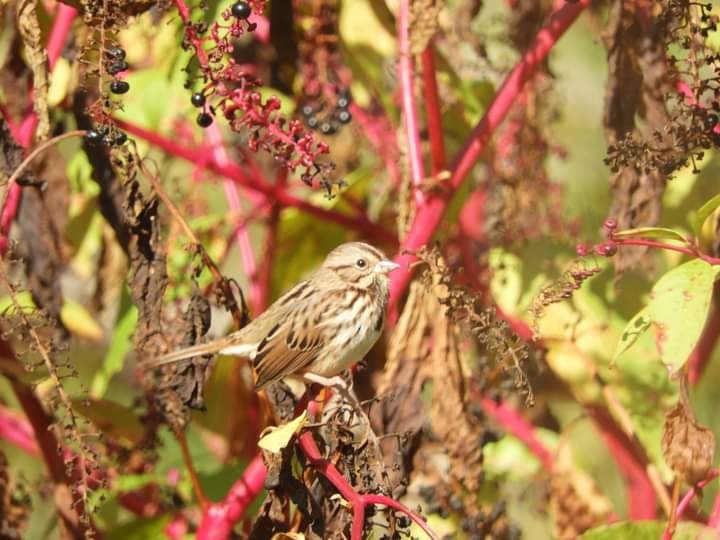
(687, 446)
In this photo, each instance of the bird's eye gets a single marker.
(361, 263)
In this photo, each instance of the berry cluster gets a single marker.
(328, 123)
(230, 90)
(105, 135)
(324, 77)
(114, 63)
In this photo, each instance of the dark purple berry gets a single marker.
(93, 137)
(344, 117)
(326, 128)
(204, 119)
(241, 10)
(117, 67)
(312, 122)
(118, 53)
(197, 99)
(343, 102)
(710, 121)
(307, 111)
(119, 87)
(120, 138)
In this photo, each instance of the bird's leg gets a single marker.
(339, 384)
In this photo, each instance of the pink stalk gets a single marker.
(690, 250)
(519, 428)
(431, 212)
(433, 110)
(357, 222)
(219, 518)
(18, 431)
(410, 121)
(687, 499)
(62, 24)
(357, 501)
(242, 238)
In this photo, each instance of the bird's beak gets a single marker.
(385, 266)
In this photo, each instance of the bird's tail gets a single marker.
(227, 344)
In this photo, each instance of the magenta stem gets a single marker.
(433, 110)
(410, 120)
(232, 195)
(18, 431)
(280, 194)
(219, 518)
(519, 428)
(431, 212)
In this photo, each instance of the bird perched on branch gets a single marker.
(318, 328)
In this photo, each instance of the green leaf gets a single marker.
(79, 321)
(632, 331)
(120, 345)
(113, 419)
(660, 233)
(706, 209)
(279, 438)
(648, 530)
(678, 308)
(141, 529)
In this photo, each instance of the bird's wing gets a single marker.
(296, 338)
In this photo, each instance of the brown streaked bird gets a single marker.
(318, 328)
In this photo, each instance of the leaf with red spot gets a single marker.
(678, 307)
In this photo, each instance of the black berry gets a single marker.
(710, 121)
(204, 119)
(118, 53)
(93, 137)
(344, 117)
(241, 10)
(120, 138)
(307, 110)
(117, 67)
(312, 122)
(197, 99)
(119, 87)
(326, 128)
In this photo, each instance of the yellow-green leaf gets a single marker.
(279, 437)
(77, 319)
(704, 212)
(632, 331)
(660, 233)
(678, 307)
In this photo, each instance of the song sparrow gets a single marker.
(316, 329)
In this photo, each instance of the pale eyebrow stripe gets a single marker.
(375, 251)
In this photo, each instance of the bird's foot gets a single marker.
(337, 383)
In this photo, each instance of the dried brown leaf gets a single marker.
(36, 54)
(688, 447)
